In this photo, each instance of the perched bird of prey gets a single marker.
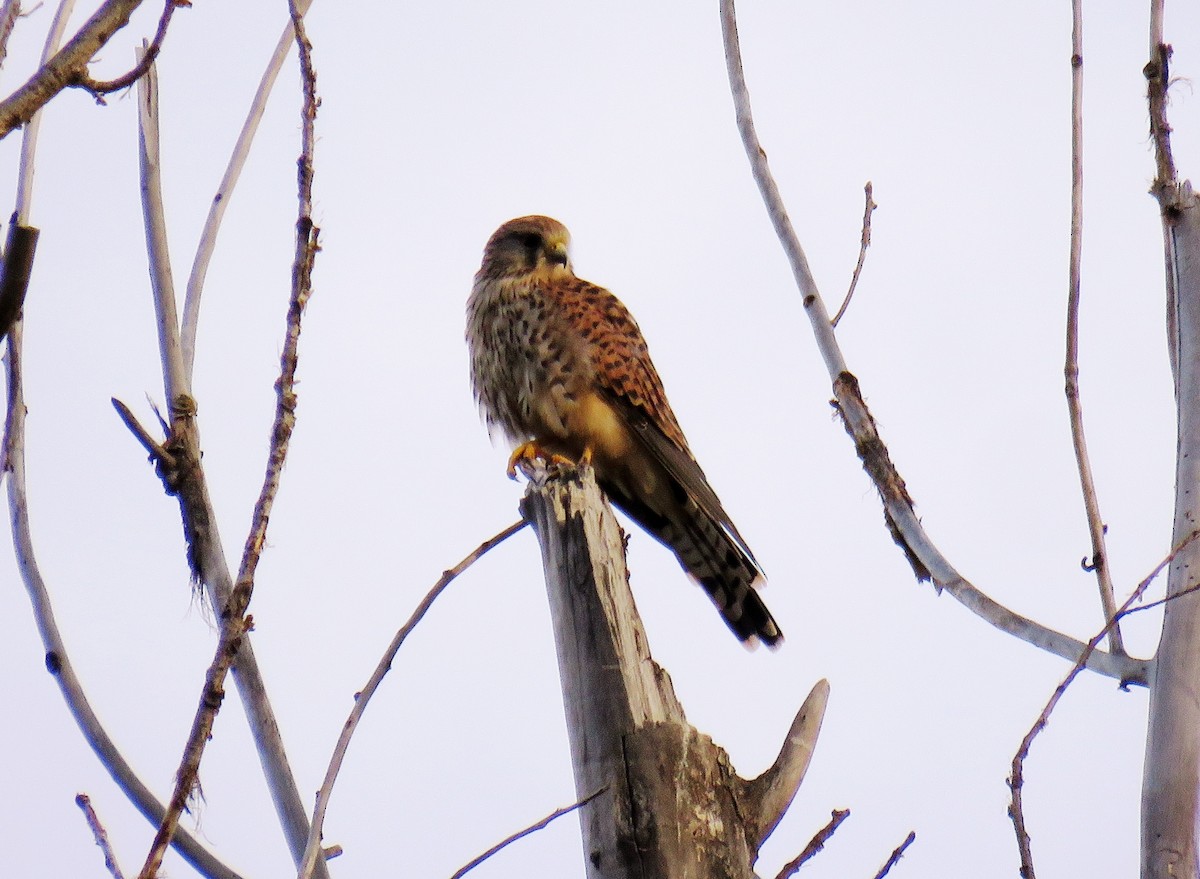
(560, 367)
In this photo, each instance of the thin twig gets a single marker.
(296, 828)
(150, 162)
(1091, 502)
(29, 138)
(520, 834)
(100, 834)
(99, 88)
(927, 560)
(183, 481)
(206, 556)
(1158, 77)
(66, 66)
(285, 386)
(313, 845)
(153, 448)
(865, 242)
(896, 855)
(234, 626)
(815, 844)
(1016, 780)
(216, 210)
(1150, 605)
(58, 661)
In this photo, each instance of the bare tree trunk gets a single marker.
(1171, 782)
(672, 805)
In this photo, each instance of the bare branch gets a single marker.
(313, 845)
(99, 88)
(66, 66)
(868, 209)
(285, 393)
(772, 792)
(815, 844)
(520, 834)
(174, 379)
(216, 211)
(234, 626)
(1158, 77)
(157, 453)
(814, 305)
(1091, 502)
(926, 559)
(1016, 781)
(896, 855)
(58, 661)
(186, 480)
(100, 835)
(29, 139)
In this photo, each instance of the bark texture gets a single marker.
(1171, 781)
(672, 805)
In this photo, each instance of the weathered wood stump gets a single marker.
(672, 805)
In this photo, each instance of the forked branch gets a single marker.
(233, 170)
(150, 50)
(182, 445)
(926, 559)
(66, 66)
(1016, 780)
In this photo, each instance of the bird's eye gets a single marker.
(531, 241)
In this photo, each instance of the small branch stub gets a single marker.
(17, 268)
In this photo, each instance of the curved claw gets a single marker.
(526, 451)
(532, 450)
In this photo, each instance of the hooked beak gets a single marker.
(556, 253)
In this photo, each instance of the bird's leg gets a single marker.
(533, 450)
(526, 451)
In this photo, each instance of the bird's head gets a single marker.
(526, 245)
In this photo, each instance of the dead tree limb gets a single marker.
(1087, 483)
(927, 560)
(84, 802)
(674, 806)
(1171, 780)
(67, 65)
(58, 661)
(185, 479)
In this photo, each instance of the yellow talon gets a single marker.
(532, 450)
(526, 451)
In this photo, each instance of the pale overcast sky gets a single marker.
(438, 122)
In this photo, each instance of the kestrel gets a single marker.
(560, 368)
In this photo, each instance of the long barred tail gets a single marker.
(714, 559)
